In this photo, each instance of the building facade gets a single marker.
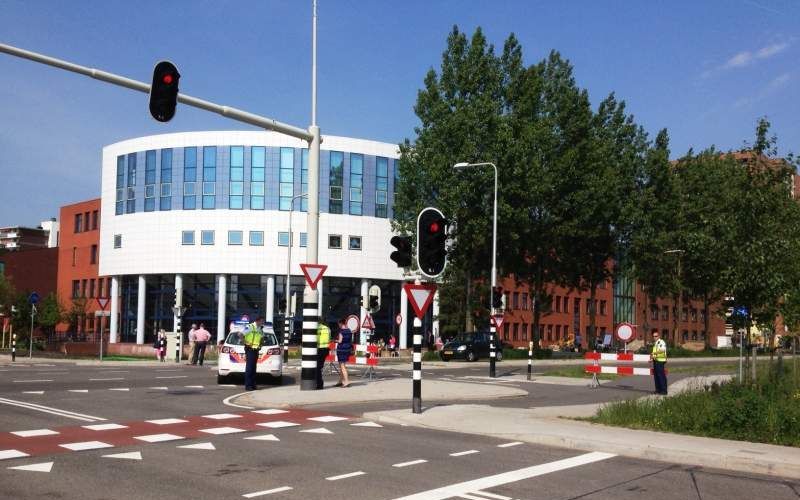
(205, 216)
(23, 238)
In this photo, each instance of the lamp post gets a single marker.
(286, 323)
(492, 348)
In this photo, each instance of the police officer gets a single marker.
(659, 357)
(323, 340)
(252, 345)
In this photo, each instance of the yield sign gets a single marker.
(420, 297)
(103, 302)
(313, 273)
(497, 320)
(368, 324)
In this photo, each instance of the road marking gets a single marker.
(483, 483)
(277, 424)
(35, 432)
(199, 446)
(6, 454)
(166, 371)
(491, 495)
(104, 427)
(222, 416)
(227, 401)
(86, 445)
(105, 379)
(32, 392)
(77, 390)
(167, 421)
(113, 371)
(158, 438)
(30, 381)
(271, 411)
(509, 445)
(413, 462)
(462, 453)
(328, 418)
(123, 389)
(175, 376)
(345, 476)
(159, 388)
(45, 372)
(194, 386)
(42, 467)
(222, 430)
(321, 430)
(133, 455)
(267, 492)
(52, 411)
(265, 437)
(366, 424)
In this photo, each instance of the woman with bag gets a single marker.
(344, 347)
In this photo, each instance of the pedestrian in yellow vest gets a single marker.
(323, 341)
(659, 357)
(252, 345)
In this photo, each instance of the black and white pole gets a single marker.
(30, 343)
(308, 351)
(13, 347)
(492, 351)
(286, 335)
(416, 404)
(178, 339)
(530, 358)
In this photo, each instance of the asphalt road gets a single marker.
(167, 434)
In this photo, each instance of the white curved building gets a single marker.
(206, 215)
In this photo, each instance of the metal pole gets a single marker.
(492, 329)
(416, 401)
(101, 338)
(741, 355)
(30, 344)
(530, 359)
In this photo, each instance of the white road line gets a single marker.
(175, 376)
(277, 424)
(222, 430)
(470, 497)
(270, 411)
(167, 421)
(42, 467)
(52, 411)
(462, 453)
(30, 381)
(159, 388)
(194, 386)
(113, 371)
(86, 445)
(105, 379)
(366, 424)
(406, 464)
(123, 389)
(6, 454)
(227, 401)
(35, 432)
(199, 446)
(509, 445)
(491, 495)
(33, 392)
(77, 390)
(267, 492)
(507, 477)
(222, 416)
(345, 476)
(104, 427)
(327, 418)
(264, 437)
(158, 438)
(320, 430)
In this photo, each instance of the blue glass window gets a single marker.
(150, 167)
(166, 180)
(207, 237)
(187, 237)
(120, 204)
(130, 206)
(150, 198)
(117, 241)
(189, 178)
(286, 178)
(209, 176)
(303, 240)
(257, 238)
(356, 182)
(257, 166)
(236, 195)
(381, 187)
(235, 237)
(283, 239)
(336, 180)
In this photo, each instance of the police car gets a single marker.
(232, 359)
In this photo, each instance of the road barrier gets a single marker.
(625, 370)
(365, 354)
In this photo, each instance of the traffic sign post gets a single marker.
(313, 273)
(420, 295)
(625, 332)
(102, 302)
(33, 299)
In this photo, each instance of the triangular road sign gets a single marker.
(313, 273)
(103, 302)
(497, 320)
(368, 324)
(420, 297)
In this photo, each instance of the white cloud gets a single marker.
(771, 50)
(749, 57)
(768, 90)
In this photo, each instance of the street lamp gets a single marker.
(288, 278)
(492, 353)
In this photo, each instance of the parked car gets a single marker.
(232, 360)
(470, 346)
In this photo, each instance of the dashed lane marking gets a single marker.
(270, 411)
(407, 464)
(345, 476)
(35, 432)
(193, 386)
(175, 376)
(327, 418)
(42, 467)
(104, 427)
(267, 492)
(264, 437)
(6, 454)
(278, 424)
(222, 430)
(133, 455)
(158, 438)
(198, 446)
(462, 453)
(121, 389)
(159, 388)
(320, 430)
(31, 381)
(167, 421)
(105, 379)
(509, 445)
(33, 392)
(77, 390)
(86, 445)
(222, 416)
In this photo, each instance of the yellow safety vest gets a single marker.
(252, 338)
(659, 351)
(323, 336)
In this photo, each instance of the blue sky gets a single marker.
(705, 70)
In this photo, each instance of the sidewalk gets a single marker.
(545, 425)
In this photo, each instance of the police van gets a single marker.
(232, 359)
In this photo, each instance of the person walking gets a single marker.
(659, 357)
(344, 346)
(160, 345)
(190, 337)
(252, 346)
(323, 340)
(201, 338)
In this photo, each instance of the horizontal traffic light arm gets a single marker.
(228, 112)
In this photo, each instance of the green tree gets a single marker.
(50, 313)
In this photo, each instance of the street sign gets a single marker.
(398, 319)
(34, 297)
(313, 273)
(497, 320)
(368, 324)
(420, 296)
(352, 323)
(625, 332)
(98, 314)
(102, 302)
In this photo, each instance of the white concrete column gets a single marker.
(402, 342)
(435, 315)
(270, 298)
(113, 332)
(362, 339)
(178, 299)
(321, 294)
(141, 297)
(222, 296)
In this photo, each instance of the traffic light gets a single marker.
(497, 297)
(431, 241)
(282, 305)
(374, 303)
(401, 256)
(164, 91)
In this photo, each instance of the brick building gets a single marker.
(31, 270)
(23, 238)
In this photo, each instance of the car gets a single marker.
(232, 360)
(470, 346)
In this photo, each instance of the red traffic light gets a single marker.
(167, 79)
(434, 227)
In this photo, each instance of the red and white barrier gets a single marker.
(366, 354)
(608, 356)
(597, 357)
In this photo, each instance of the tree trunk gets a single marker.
(592, 313)
(706, 322)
